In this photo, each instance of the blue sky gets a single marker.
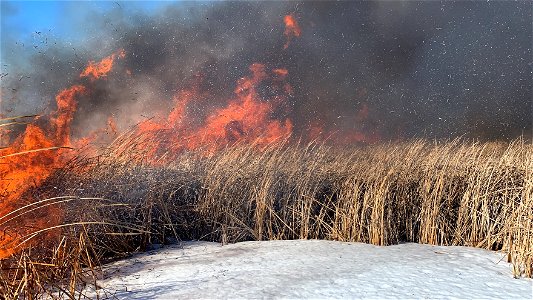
(62, 22)
(21, 19)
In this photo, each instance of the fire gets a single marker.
(250, 116)
(20, 172)
(96, 70)
(291, 29)
(66, 107)
(33, 156)
(358, 132)
(246, 118)
(111, 126)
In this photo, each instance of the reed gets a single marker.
(443, 193)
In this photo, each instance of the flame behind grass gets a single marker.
(443, 193)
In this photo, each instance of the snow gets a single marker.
(314, 269)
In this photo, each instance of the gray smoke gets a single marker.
(422, 69)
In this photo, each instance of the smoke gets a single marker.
(386, 69)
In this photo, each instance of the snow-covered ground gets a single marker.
(314, 269)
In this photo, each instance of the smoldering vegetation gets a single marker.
(442, 193)
(423, 69)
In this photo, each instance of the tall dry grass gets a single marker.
(443, 193)
(452, 193)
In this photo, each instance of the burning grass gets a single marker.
(442, 193)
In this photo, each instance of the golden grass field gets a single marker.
(434, 192)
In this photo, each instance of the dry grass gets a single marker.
(443, 193)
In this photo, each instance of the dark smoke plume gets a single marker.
(392, 69)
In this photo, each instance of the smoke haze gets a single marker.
(389, 70)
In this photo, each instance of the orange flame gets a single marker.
(17, 174)
(96, 70)
(291, 29)
(246, 118)
(66, 107)
(32, 157)
(111, 126)
(24, 165)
